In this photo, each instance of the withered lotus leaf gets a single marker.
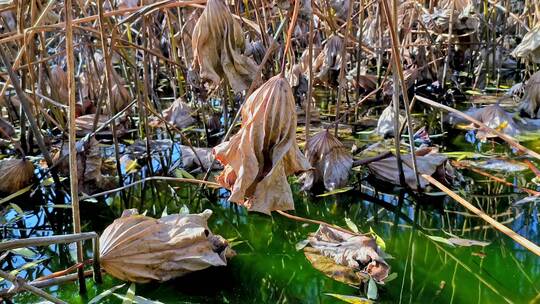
(264, 152)
(431, 164)
(140, 249)
(89, 164)
(530, 104)
(328, 63)
(356, 257)
(15, 174)
(330, 159)
(529, 46)
(219, 47)
(179, 114)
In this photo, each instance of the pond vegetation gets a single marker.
(302, 151)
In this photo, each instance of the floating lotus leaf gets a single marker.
(15, 174)
(218, 48)
(330, 159)
(355, 257)
(264, 152)
(140, 249)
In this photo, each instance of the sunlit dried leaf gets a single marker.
(218, 48)
(139, 249)
(359, 255)
(495, 117)
(385, 124)
(264, 152)
(15, 174)
(529, 47)
(331, 160)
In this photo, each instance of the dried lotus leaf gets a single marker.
(264, 152)
(140, 249)
(352, 254)
(15, 174)
(331, 160)
(219, 46)
(530, 104)
(179, 114)
(529, 46)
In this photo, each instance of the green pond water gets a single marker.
(269, 269)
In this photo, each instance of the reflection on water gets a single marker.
(268, 269)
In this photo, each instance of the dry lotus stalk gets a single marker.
(15, 174)
(264, 152)
(218, 48)
(140, 249)
(355, 257)
(330, 159)
(530, 104)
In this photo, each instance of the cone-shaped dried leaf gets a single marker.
(15, 174)
(357, 254)
(264, 152)
(6, 129)
(140, 249)
(530, 46)
(218, 48)
(331, 160)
